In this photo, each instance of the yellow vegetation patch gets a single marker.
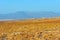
(34, 29)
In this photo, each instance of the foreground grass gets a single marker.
(33, 29)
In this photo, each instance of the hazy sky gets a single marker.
(9, 6)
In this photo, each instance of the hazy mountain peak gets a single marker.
(23, 15)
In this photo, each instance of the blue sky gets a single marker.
(10, 6)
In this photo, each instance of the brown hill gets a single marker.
(30, 29)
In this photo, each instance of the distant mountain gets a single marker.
(17, 15)
(22, 15)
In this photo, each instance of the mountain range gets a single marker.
(23, 15)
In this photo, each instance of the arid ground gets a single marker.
(30, 29)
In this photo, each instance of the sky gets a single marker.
(10, 6)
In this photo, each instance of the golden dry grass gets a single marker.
(32, 29)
